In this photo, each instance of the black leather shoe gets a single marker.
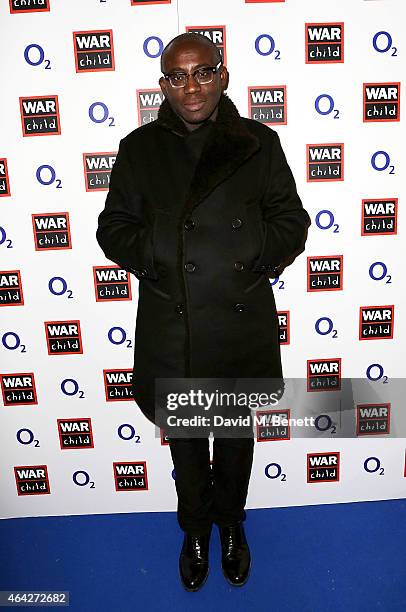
(194, 561)
(235, 554)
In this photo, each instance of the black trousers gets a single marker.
(211, 495)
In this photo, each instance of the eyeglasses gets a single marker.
(202, 76)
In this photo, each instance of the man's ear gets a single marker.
(163, 85)
(224, 77)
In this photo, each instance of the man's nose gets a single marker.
(191, 84)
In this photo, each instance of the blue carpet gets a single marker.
(344, 557)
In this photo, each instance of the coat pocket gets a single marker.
(256, 228)
(164, 246)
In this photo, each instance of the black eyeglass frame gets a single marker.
(214, 69)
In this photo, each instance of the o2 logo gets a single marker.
(372, 465)
(274, 471)
(70, 387)
(325, 221)
(265, 46)
(11, 341)
(7, 242)
(156, 44)
(25, 436)
(324, 423)
(82, 479)
(324, 105)
(375, 372)
(34, 55)
(324, 326)
(118, 336)
(58, 286)
(46, 176)
(382, 43)
(380, 161)
(127, 432)
(379, 271)
(99, 113)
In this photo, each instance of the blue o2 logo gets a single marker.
(118, 336)
(373, 465)
(11, 341)
(34, 55)
(70, 387)
(325, 220)
(46, 175)
(58, 286)
(382, 43)
(82, 479)
(324, 326)
(4, 240)
(274, 471)
(379, 271)
(265, 45)
(324, 105)
(376, 372)
(380, 161)
(99, 113)
(154, 43)
(126, 432)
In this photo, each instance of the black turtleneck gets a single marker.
(195, 139)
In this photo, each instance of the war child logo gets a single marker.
(325, 273)
(273, 425)
(325, 162)
(40, 116)
(51, 231)
(29, 6)
(376, 322)
(217, 35)
(111, 284)
(324, 374)
(130, 475)
(4, 182)
(63, 337)
(117, 385)
(97, 167)
(94, 50)
(11, 289)
(18, 389)
(379, 217)
(324, 43)
(381, 102)
(373, 419)
(75, 433)
(323, 467)
(32, 479)
(268, 104)
(149, 101)
(284, 326)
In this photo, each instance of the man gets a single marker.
(202, 207)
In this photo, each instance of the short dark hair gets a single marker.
(192, 37)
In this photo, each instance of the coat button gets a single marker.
(179, 308)
(190, 267)
(236, 223)
(239, 307)
(143, 272)
(239, 266)
(189, 224)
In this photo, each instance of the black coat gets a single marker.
(202, 241)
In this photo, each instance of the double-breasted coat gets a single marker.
(203, 240)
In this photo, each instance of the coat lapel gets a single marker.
(227, 147)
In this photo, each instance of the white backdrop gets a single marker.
(81, 480)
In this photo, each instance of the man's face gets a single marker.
(194, 103)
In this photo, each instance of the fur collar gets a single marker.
(227, 147)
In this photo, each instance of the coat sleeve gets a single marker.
(285, 220)
(123, 232)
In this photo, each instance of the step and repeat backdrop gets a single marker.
(77, 77)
